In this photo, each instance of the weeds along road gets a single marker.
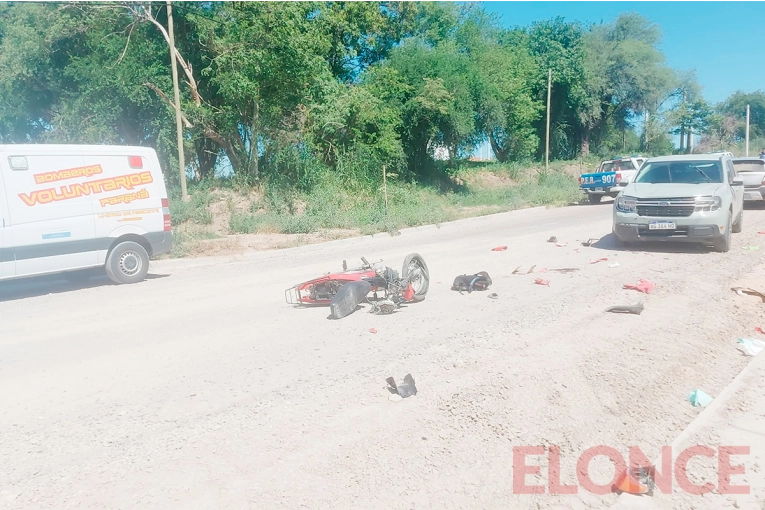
(202, 388)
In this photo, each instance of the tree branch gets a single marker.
(170, 102)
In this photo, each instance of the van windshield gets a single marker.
(683, 172)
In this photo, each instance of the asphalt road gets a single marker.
(202, 388)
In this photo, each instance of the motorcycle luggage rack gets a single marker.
(293, 296)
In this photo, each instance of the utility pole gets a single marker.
(176, 91)
(547, 138)
(747, 130)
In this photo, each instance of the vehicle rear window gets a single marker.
(749, 166)
(617, 166)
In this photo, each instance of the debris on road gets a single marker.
(634, 309)
(644, 286)
(699, 398)
(493, 295)
(750, 346)
(561, 245)
(499, 248)
(405, 389)
(531, 269)
(753, 248)
(595, 261)
(515, 271)
(615, 264)
(540, 281)
(469, 283)
(565, 270)
(758, 329)
(372, 330)
(552, 239)
(590, 242)
(743, 290)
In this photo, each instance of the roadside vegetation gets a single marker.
(291, 110)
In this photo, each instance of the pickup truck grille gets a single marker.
(666, 207)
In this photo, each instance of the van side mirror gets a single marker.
(737, 181)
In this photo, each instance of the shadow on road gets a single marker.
(607, 243)
(55, 284)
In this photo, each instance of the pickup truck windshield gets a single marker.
(683, 172)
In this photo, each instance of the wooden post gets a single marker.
(547, 138)
(385, 190)
(176, 91)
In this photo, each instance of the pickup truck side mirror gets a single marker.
(737, 181)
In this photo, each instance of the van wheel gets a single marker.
(128, 262)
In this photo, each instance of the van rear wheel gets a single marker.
(128, 262)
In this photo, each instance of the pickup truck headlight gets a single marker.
(708, 204)
(626, 204)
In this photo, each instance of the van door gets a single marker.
(132, 201)
(50, 214)
(7, 260)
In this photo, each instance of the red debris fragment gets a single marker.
(759, 330)
(761, 232)
(540, 281)
(499, 248)
(604, 259)
(644, 286)
(372, 330)
(542, 270)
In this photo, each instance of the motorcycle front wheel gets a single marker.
(415, 266)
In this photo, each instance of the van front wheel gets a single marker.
(128, 262)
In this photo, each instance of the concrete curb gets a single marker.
(703, 419)
(247, 256)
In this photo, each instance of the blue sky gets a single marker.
(723, 41)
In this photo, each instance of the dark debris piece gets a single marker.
(634, 309)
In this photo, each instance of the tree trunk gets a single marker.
(585, 142)
(207, 154)
(254, 135)
(682, 138)
(500, 152)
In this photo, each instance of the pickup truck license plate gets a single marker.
(661, 225)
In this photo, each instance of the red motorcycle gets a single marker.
(343, 292)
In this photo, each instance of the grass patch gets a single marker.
(331, 205)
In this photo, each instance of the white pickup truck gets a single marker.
(610, 178)
(752, 171)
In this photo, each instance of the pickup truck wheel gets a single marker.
(128, 262)
(594, 199)
(723, 245)
(739, 225)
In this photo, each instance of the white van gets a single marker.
(66, 208)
